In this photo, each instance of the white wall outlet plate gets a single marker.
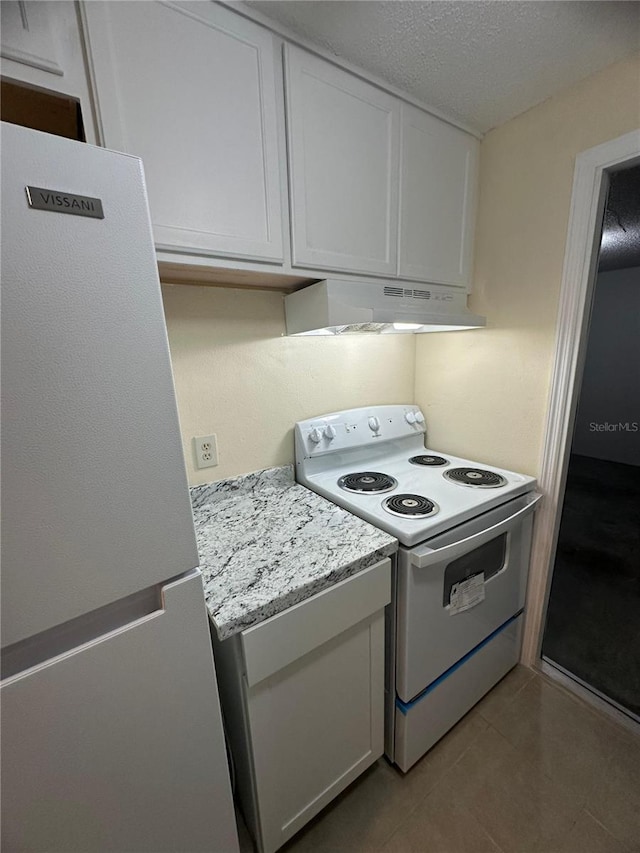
(205, 449)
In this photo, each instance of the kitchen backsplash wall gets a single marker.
(238, 377)
(485, 393)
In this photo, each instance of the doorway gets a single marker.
(592, 630)
(594, 168)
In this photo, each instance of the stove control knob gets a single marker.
(374, 424)
(410, 418)
(315, 435)
(329, 432)
(419, 417)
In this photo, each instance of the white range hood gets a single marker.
(337, 307)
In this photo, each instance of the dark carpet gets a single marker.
(593, 620)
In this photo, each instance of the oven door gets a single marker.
(457, 589)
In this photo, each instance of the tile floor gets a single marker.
(531, 769)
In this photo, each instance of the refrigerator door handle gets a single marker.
(118, 743)
(51, 645)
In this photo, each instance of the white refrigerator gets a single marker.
(112, 737)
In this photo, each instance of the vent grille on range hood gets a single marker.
(338, 307)
(407, 292)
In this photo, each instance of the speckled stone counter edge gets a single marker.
(232, 600)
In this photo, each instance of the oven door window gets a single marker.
(488, 558)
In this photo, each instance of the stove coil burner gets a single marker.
(430, 461)
(410, 506)
(367, 481)
(477, 478)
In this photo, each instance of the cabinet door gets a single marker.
(190, 88)
(28, 36)
(438, 199)
(314, 676)
(343, 142)
(315, 726)
(42, 47)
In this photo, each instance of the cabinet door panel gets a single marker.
(41, 46)
(28, 35)
(438, 196)
(190, 88)
(343, 137)
(315, 726)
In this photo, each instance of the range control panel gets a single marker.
(356, 428)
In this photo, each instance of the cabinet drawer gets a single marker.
(275, 643)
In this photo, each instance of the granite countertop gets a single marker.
(267, 543)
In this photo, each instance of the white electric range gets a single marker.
(455, 623)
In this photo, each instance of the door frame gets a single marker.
(590, 185)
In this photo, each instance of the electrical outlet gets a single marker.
(205, 448)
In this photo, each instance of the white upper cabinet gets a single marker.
(190, 87)
(343, 139)
(41, 46)
(437, 200)
(376, 186)
(29, 35)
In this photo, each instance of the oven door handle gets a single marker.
(425, 556)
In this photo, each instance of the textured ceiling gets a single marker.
(620, 246)
(481, 62)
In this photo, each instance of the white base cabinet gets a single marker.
(303, 701)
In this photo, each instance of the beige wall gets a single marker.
(484, 393)
(237, 376)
